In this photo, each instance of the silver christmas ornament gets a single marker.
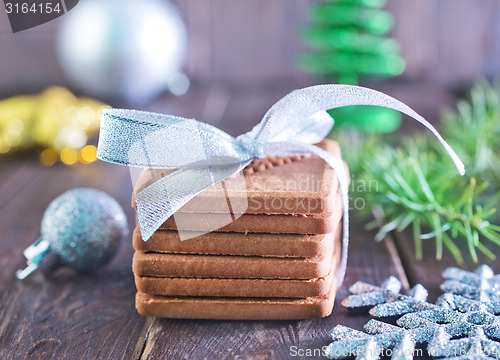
(130, 49)
(463, 324)
(82, 229)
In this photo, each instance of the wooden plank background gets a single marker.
(253, 42)
(92, 316)
(67, 316)
(240, 62)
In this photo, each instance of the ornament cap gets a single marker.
(36, 254)
(22, 274)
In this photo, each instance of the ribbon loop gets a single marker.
(205, 155)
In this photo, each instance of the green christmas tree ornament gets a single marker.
(371, 119)
(348, 42)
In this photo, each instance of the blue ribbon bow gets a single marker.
(204, 155)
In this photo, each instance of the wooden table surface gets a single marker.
(69, 316)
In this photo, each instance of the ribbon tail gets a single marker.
(160, 200)
(285, 117)
(337, 164)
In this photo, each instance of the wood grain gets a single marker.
(254, 43)
(67, 315)
(428, 271)
(179, 339)
(93, 316)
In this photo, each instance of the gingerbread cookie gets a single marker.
(222, 308)
(301, 184)
(231, 243)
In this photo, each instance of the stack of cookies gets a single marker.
(275, 260)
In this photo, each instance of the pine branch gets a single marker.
(419, 188)
(473, 130)
(424, 192)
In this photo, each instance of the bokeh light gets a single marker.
(69, 156)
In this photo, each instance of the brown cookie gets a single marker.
(232, 243)
(302, 184)
(238, 287)
(223, 308)
(260, 223)
(271, 161)
(233, 287)
(222, 266)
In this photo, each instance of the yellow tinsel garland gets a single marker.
(55, 120)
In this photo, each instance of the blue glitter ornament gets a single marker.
(81, 228)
